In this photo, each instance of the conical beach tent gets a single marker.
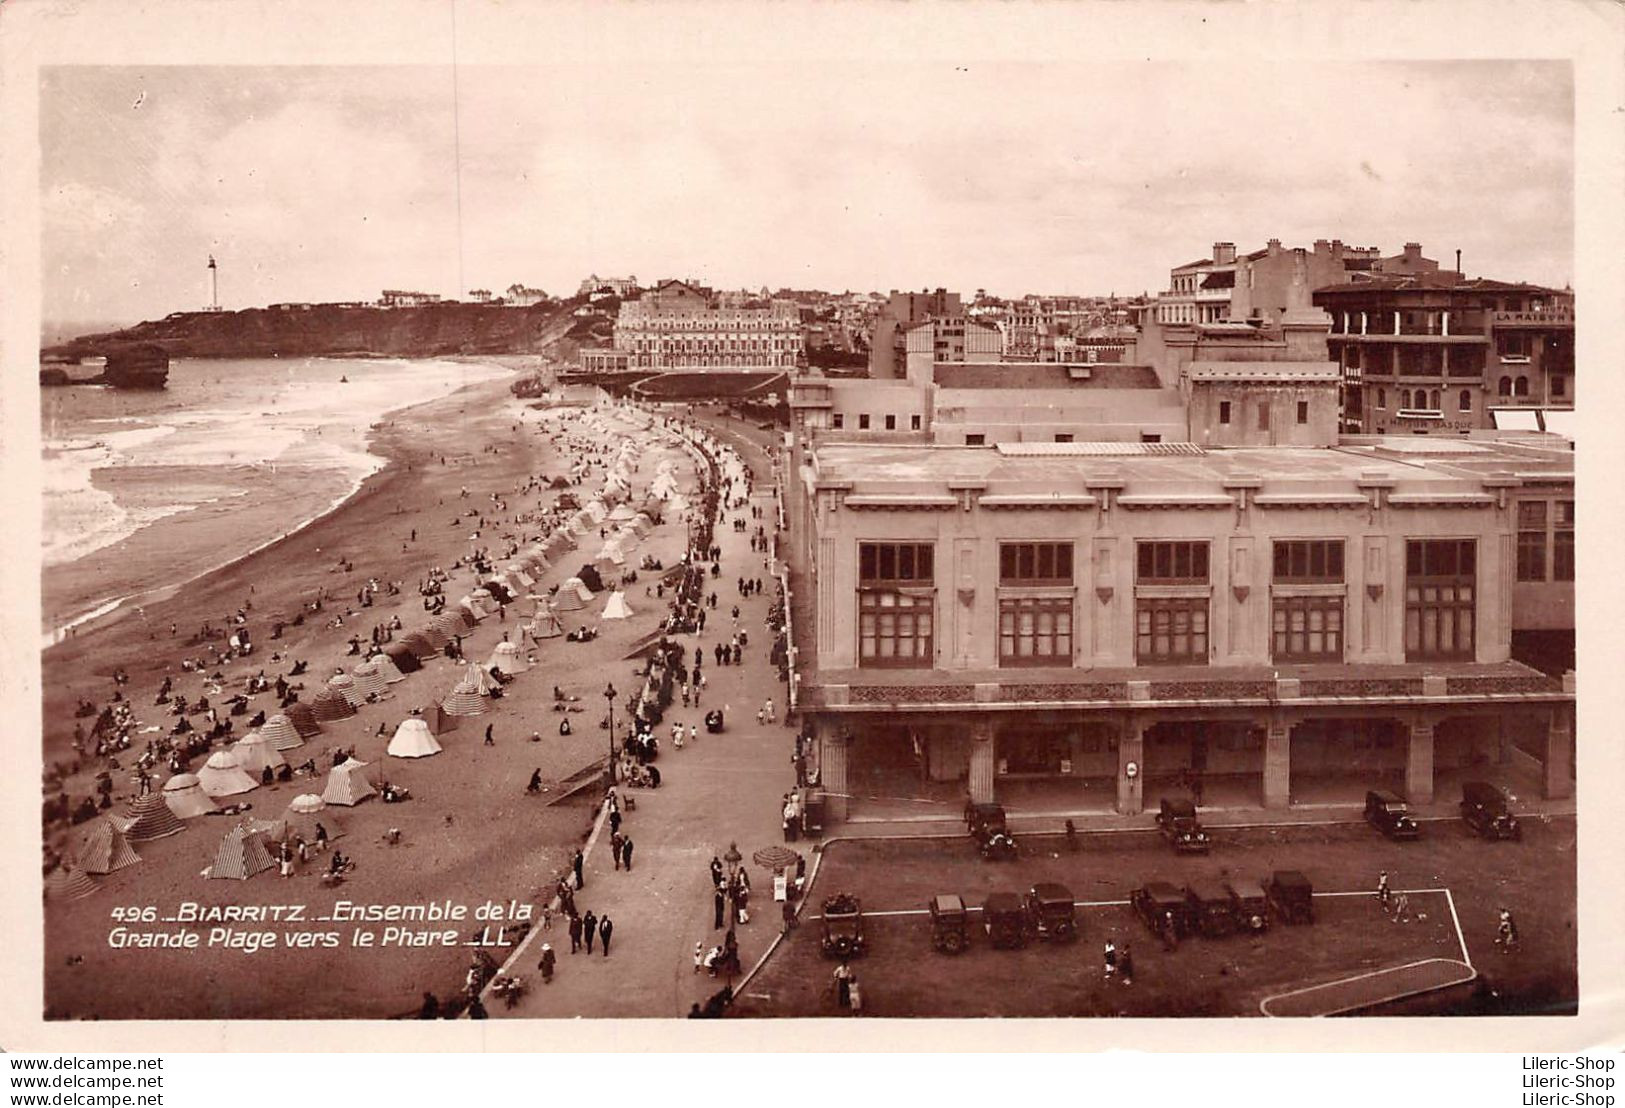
(150, 818)
(186, 798)
(479, 680)
(464, 700)
(255, 752)
(617, 607)
(484, 602)
(420, 646)
(546, 625)
(436, 637)
(508, 658)
(223, 775)
(412, 740)
(450, 624)
(282, 733)
(388, 670)
(347, 784)
(68, 883)
(402, 658)
(567, 599)
(368, 680)
(241, 855)
(467, 606)
(303, 719)
(345, 686)
(104, 849)
(330, 704)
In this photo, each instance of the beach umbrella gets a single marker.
(776, 857)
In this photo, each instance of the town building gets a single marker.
(888, 352)
(522, 296)
(1436, 354)
(1087, 626)
(677, 325)
(620, 286)
(399, 298)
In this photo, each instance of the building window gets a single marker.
(913, 423)
(976, 440)
(1503, 387)
(1035, 630)
(1560, 385)
(1308, 562)
(1464, 400)
(1532, 540)
(863, 421)
(1440, 593)
(1171, 563)
(895, 604)
(1563, 541)
(1035, 563)
(1224, 411)
(1520, 387)
(1382, 398)
(1303, 411)
(1307, 628)
(1063, 436)
(891, 423)
(1170, 630)
(838, 420)
(1263, 415)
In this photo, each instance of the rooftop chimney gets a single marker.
(1274, 246)
(1413, 250)
(1224, 253)
(1458, 260)
(1321, 246)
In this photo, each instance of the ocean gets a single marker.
(140, 486)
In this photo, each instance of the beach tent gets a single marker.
(465, 700)
(271, 830)
(484, 602)
(105, 850)
(281, 732)
(150, 818)
(617, 607)
(418, 643)
(521, 577)
(546, 625)
(255, 752)
(470, 610)
(479, 680)
(568, 598)
(186, 798)
(68, 883)
(345, 686)
(242, 854)
(595, 509)
(223, 775)
(622, 512)
(303, 718)
(302, 815)
(347, 784)
(369, 681)
(611, 552)
(508, 658)
(387, 669)
(404, 657)
(331, 704)
(499, 591)
(439, 721)
(436, 637)
(450, 624)
(412, 740)
(578, 584)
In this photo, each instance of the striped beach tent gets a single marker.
(508, 658)
(567, 599)
(241, 854)
(546, 625)
(186, 798)
(330, 705)
(464, 700)
(479, 680)
(418, 643)
(151, 818)
(105, 850)
(484, 601)
(387, 669)
(222, 775)
(255, 753)
(303, 719)
(436, 637)
(369, 681)
(68, 883)
(282, 733)
(345, 686)
(466, 606)
(347, 784)
(450, 623)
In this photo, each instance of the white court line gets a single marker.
(1460, 938)
(1126, 903)
(1264, 1005)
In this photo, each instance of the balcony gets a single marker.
(1424, 414)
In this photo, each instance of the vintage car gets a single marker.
(1389, 814)
(1051, 912)
(1291, 896)
(843, 926)
(986, 823)
(1178, 824)
(1485, 809)
(1004, 917)
(1160, 906)
(950, 924)
(1252, 904)
(812, 811)
(1212, 909)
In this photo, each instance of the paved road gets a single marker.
(724, 788)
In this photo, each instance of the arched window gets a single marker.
(1520, 387)
(1433, 400)
(1504, 388)
(1382, 398)
(1405, 398)
(1465, 400)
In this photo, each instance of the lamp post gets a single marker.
(609, 696)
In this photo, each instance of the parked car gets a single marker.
(1160, 906)
(1486, 811)
(1252, 904)
(843, 926)
(1212, 909)
(1051, 912)
(987, 826)
(1178, 823)
(1004, 917)
(1291, 896)
(950, 930)
(1390, 815)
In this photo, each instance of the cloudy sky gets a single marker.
(334, 183)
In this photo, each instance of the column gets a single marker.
(1557, 759)
(1419, 764)
(1131, 768)
(1277, 763)
(983, 768)
(833, 742)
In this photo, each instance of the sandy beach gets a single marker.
(470, 835)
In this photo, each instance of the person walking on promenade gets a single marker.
(575, 933)
(789, 915)
(549, 960)
(721, 901)
(589, 928)
(1110, 958)
(1384, 893)
(716, 870)
(489, 741)
(626, 853)
(578, 863)
(535, 785)
(699, 956)
(615, 845)
(605, 930)
(772, 716)
(614, 821)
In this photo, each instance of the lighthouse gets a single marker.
(214, 285)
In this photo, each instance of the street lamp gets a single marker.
(609, 696)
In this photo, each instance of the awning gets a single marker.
(1562, 421)
(1515, 419)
